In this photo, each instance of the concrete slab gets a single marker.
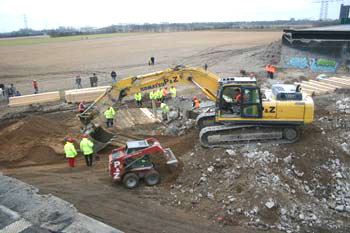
(22, 209)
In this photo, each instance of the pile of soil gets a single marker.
(30, 139)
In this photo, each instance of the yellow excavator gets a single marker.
(243, 113)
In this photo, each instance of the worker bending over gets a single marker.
(70, 151)
(81, 107)
(165, 110)
(195, 102)
(86, 147)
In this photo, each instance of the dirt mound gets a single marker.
(42, 154)
(35, 127)
(36, 139)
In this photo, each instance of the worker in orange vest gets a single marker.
(195, 102)
(270, 69)
(164, 94)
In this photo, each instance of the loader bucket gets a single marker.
(100, 137)
(171, 160)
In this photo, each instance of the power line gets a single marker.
(324, 7)
(25, 21)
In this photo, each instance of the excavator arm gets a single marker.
(180, 75)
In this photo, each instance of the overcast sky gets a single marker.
(47, 14)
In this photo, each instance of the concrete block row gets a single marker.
(32, 99)
(86, 94)
(70, 96)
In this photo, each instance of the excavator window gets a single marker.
(251, 106)
(230, 101)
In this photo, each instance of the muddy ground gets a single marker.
(213, 190)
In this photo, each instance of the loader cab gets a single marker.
(239, 97)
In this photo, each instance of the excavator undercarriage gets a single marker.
(227, 136)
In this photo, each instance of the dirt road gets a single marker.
(93, 193)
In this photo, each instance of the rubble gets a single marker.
(291, 188)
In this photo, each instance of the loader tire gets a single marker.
(152, 177)
(131, 180)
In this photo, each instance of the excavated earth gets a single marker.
(301, 187)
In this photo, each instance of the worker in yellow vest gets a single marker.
(86, 147)
(138, 99)
(165, 110)
(70, 151)
(151, 95)
(159, 95)
(173, 92)
(109, 115)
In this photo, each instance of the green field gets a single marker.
(40, 40)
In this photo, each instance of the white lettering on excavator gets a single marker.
(162, 84)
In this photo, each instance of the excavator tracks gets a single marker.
(227, 136)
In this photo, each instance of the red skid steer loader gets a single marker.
(133, 162)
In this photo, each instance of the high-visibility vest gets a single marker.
(272, 69)
(173, 92)
(109, 113)
(164, 107)
(151, 95)
(86, 146)
(138, 96)
(196, 103)
(69, 149)
(164, 92)
(159, 94)
(268, 69)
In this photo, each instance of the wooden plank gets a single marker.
(33, 99)
(325, 84)
(345, 80)
(312, 87)
(342, 84)
(319, 85)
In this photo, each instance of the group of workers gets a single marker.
(86, 147)
(158, 97)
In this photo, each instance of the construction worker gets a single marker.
(165, 110)
(114, 76)
(270, 69)
(70, 151)
(109, 114)
(86, 146)
(172, 92)
(195, 102)
(138, 99)
(164, 94)
(151, 95)
(35, 86)
(159, 95)
(237, 101)
(78, 82)
(81, 107)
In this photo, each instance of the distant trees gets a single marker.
(174, 27)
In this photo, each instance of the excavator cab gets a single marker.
(239, 97)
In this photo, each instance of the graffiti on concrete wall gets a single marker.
(315, 64)
(298, 62)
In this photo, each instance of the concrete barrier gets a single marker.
(86, 94)
(33, 99)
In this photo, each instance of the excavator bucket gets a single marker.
(172, 161)
(100, 137)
